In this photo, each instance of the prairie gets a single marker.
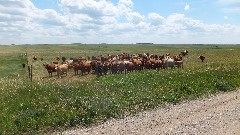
(48, 104)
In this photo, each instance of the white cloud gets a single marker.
(187, 7)
(96, 21)
(135, 17)
(225, 17)
(24, 22)
(127, 3)
(156, 19)
(89, 14)
(49, 16)
(91, 8)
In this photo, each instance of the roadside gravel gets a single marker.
(218, 115)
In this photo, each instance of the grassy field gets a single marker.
(48, 103)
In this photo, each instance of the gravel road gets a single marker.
(218, 115)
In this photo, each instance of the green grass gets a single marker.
(43, 106)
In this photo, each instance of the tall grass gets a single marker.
(43, 106)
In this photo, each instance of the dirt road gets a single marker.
(218, 115)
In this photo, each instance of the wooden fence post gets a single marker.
(30, 72)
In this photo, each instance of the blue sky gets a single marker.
(119, 21)
(47, 4)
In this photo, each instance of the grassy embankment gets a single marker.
(47, 104)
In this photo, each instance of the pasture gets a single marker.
(49, 104)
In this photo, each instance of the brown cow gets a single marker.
(137, 64)
(158, 64)
(152, 61)
(50, 68)
(177, 57)
(105, 67)
(121, 67)
(98, 67)
(76, 67)
(85, 67)
(113, 67)
(129, 66)
(147, 63)
(179, 64)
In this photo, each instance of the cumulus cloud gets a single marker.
(14, 10)
(23, 21)
(156, 19)
(24, 10)
(135, 17)
(96, 21)
(100, 16)
(50, 17)
(127, 3)
(91, 8)
(89, 14)
(125, 6)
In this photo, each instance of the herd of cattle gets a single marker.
(122, 63)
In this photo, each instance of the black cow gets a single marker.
(202, 58)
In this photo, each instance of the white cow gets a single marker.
(61, 69)
(168, 63)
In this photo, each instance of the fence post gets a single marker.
(31, 73)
